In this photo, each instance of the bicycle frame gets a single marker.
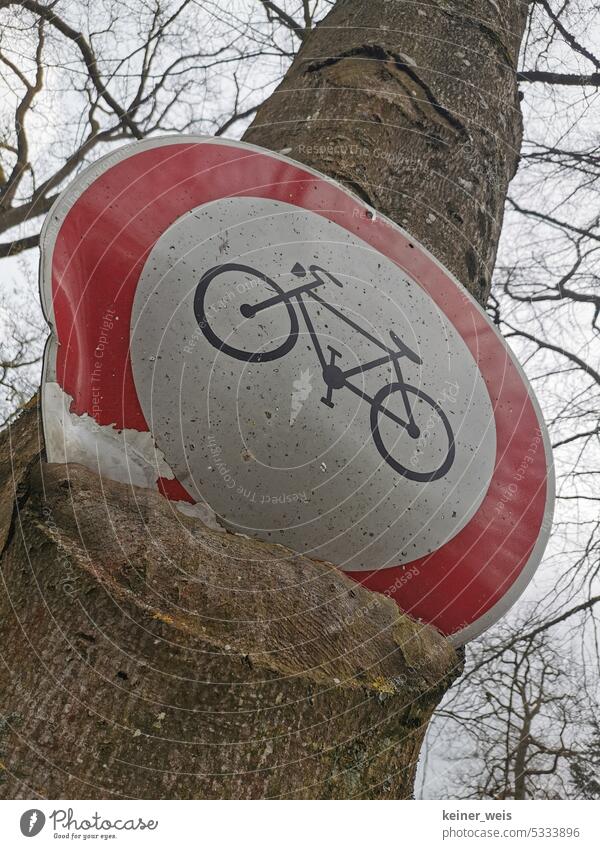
(333, 375)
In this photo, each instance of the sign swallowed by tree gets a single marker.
(252, 339)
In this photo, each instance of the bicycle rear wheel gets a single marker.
(234, 344)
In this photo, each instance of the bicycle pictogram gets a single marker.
(335, 377)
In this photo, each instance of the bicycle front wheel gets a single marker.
(427, 456)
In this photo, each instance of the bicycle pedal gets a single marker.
(328, 403)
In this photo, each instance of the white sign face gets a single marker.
(306, 388)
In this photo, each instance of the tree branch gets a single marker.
(284, 18)
(552, 78)
(47, 14)
(568, 37)
(19, 245)
(557, 349)
(8, 191)
(555, 222)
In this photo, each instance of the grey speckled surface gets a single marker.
(255, 440)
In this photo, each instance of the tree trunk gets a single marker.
(415, 108)
(136, 662)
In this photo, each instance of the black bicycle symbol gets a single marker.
(334, 377)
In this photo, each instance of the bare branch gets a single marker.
(568, 37)
(553, 78)
(555, 222)
(284, 18)
(8, 190)
(47, 14)
(19, 245)
(558, 349)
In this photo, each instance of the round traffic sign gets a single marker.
(276, 349)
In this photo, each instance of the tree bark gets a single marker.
(144, 655)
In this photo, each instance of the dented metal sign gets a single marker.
(245, 335)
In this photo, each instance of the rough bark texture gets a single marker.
(146, 656)
(414, 107)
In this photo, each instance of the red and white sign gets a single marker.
(248, 337)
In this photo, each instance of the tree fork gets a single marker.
(132, 665)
